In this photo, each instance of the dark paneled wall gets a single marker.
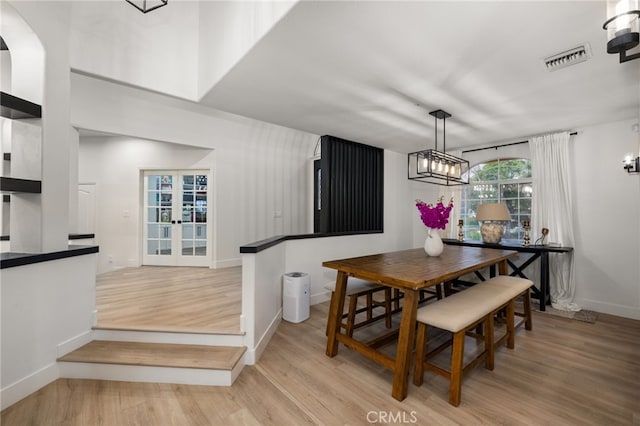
(352, 178)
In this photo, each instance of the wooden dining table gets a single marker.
(408, 271)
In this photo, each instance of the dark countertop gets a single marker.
(13, 259)
(258, 246)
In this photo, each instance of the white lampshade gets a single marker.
(493, 212)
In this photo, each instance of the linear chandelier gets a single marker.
(145, 6)
(438, 167)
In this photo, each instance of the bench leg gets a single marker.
(351, 317)
(457, 355)
(421, 345)
(387, 307)
(488, 343)
(369, 296)
(528, 323)
(511, 339)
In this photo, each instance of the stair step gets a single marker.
(181, 338)
(157, 355)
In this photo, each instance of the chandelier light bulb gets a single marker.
(440, 166)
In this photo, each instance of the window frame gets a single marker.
(514, 230)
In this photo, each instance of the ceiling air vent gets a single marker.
(569, 57)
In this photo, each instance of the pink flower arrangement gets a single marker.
(437, 216)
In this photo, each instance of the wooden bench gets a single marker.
(357, 288)
(460, 314)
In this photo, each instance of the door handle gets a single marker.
(179, 221)
(173, 222)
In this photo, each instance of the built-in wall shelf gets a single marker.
(6, 156)
(6, 198)
(16, 108)
(8, 184)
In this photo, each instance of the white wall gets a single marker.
(115, 165)
(48, 309)
(262, 272)
(260, 170)
(606, 219)
(307, 255)
(40, 221)
(228, 30)
(125, 44)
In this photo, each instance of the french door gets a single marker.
(176, 218)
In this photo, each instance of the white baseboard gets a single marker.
(74, 343)
(227, 263)
(28, 385)
(252, 355)
(320, 297)
(632, 312)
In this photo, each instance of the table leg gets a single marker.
(503, 267)
(405, 344)
(335, 313)
(544, 279)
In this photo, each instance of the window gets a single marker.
(499, 181)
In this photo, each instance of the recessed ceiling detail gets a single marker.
(568, 57)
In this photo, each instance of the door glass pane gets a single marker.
(153, 198)
(187, 214)
(154, 215)
(165, 215)
(152, 247)
(201, 207)
(188, 198)
(166, 183)
(201, 232)
(201, 248)
(153, 231)
(165, 247)
(187, 232)
(187, 248)
(165, 232)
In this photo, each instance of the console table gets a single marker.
(536, 251)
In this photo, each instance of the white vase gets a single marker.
(433, 245)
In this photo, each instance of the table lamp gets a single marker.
(492, 216)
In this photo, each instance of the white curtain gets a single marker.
(448, 192)
(552, 209)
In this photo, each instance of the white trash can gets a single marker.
(295, 296)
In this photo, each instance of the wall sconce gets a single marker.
(631, 165)
(623, 29)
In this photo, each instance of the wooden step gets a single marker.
(154, 362)
(157, 354)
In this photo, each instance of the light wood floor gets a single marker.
(564, 372)
(163, 298)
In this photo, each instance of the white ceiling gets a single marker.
(370, 71)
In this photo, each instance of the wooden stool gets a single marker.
(355, 289)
